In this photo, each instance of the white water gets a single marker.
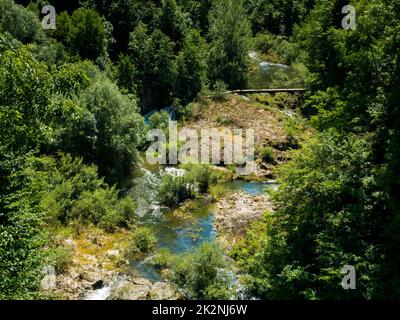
(99, 294)
(265, 64)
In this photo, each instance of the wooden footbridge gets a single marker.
(255, 91)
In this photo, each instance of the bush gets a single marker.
(68, 190)
(219, 92)
(292, 130)
(144, 239)
(202, 175)
(174, 190)
(103, 208)
(162, 259)
(159, 120)
(267, 155)
(264, 42)
(202, 274)
(21, 23)
(60, 258)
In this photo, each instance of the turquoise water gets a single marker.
(183, 235)
(252, 188)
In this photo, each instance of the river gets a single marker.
(173, 233)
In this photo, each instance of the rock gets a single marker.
(163, 291)
(98, 285)
(49, 281)
(237, 210)
(112, 253)
(143, 289)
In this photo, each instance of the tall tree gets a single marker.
(229, 35)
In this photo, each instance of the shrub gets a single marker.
(292, 130)
(219, 92)
(68, 190)
(202, 175)
(162, 259)
(144, 239)
(267, 155)
(103, 208)
(202, 274)
(60, 258)
(174, 190)
(263, 42)
(159, 120)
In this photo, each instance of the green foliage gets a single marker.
(292, 130)
(202, 175)
(172, 21)
(191, 64)
(198, 11)
(229, 33)
(154, 57)
(162, 259)
(20, 257)
(52, 53)
(69, 190)
(70, 80)
(118, 131)
(159, 120)
(219, 91)
(103, 208)
(337, 202)
(127, 73)
(21, 23)
(60, 258)
(173, 190)
(278, 49)
(83, 32)
(7, 42)
(144, 239)
(24, 101)
(277, 16)
(202, 274)
(267, 155)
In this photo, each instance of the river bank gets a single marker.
(103, 266)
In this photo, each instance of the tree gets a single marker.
(21, 23)
(119, 128)
(24, 127)
(84, 33)
(153, 55)
(277, 16)
(173, 22)
(191, 68)
(198, 11)
(229, 35)
(338, 200)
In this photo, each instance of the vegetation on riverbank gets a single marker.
(71, 130)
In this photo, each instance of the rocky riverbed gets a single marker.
(98, 270)
(236, 210)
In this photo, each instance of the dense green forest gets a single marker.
(72, 101)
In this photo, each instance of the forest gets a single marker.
(84, 216)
